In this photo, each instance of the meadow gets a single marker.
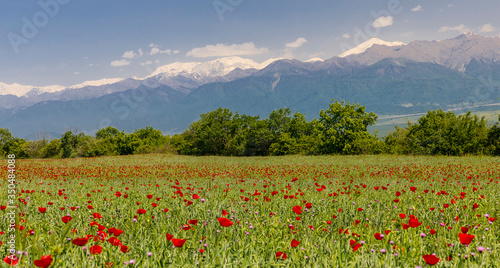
(160, 210)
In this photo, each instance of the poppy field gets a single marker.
(296, 211)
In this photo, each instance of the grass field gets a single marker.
(296, 211)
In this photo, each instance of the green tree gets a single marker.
(215, 131)
(494, 138)
(445, 133)
(52, 149)
(5, 136)
(342, 124)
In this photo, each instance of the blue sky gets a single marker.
(71, 41)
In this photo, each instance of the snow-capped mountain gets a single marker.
(368, 44)
(27, 91)
(456, 53)
(215, 68)
(21, 90)
(96, 83)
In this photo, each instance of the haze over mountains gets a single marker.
(389, 78)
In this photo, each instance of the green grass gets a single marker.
(349, 184)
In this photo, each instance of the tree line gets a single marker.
(340, 129)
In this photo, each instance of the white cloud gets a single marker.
(297, 43)
(129, 54)
(487, 28)
(132, 54)
(146, 63)
(155, 49)
(346, 36)
(76, 73)
(460, 28)
(118, 63)
(222, 50)
(417, 8)
(383, 22)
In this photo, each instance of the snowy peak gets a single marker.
(96, 83)
(26, 90)
(21, 90)
(366, 45)
(215, 68)
(314, 59)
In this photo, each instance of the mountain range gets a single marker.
(389, 78)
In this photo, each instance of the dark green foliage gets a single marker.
(442, 133)
(341, 129)
(494, 138)
(342, 126)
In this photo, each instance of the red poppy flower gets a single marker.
(114, 241)
(124, 249)
(281, 255)
(378, 236)
(475, 206)
(405, 226)
(194, 222)
(169, 237)
(150, 196)
(117, 232)
(433, 231)
(186, 227)
(141, 211)
(95, 249)
(413, 222)
(464, 230)
(294, 243)
(97, 215)
(66, 219)
(309, 205)
(45, 261)
(465, 238)
(118, 194)
(360, 209)
(11, 259)
(3, 207)
(195, 196)
(376, 187)
(430, 259)
(201, 250)
(90, 207)
(297, 209)
(402, 215)
(354, 245)
(387, 232)
(42, 210)
(492, 219)
(225, 222)
(80, 241)
(224, 212)
(178, 242)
